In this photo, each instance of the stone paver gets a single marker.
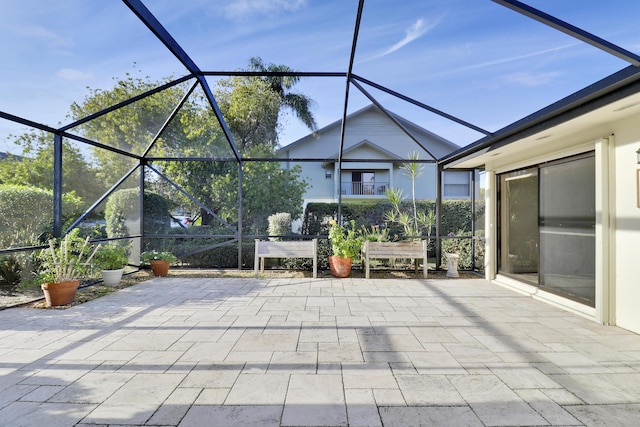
(315, 352)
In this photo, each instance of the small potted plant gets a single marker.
(62, 265)
(345, 245)
(111, 259)
(158, 260)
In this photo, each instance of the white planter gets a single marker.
(452, 265)
(112, 277)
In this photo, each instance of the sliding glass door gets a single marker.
(519, 224)
(547, 227)
(567, 228)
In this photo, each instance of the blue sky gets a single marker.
(473, 59)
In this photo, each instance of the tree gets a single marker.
(250, 108)
(35, 167)
(130, 128)
(266, 189)
(298, 103)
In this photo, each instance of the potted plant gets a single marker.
(158, 260)
(62, 265)
(345, 245)
(111, 259)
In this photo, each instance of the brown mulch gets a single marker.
(32, 297)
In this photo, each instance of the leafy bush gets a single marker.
(153, 255)
(10, 273)
(461, 244)
(279, 225)
(223, 256)
(122, 211)
(24, 214)
(111, 257)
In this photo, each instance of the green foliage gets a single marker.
(122, 211)
(279, 225)
(281, 85)
(223, 256)
(153, 255)
(35, 168)
(461, 245)
(25, 212)
(266, 189)
(129, 128)
(111, 257)
(456, 215)
(345, 242)
(375, 233)
(10, 273)
(251, 109)
(66, 259)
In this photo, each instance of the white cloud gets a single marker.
(412, 33)
(241, 9)
(72, 75)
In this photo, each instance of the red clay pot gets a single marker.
(340, 267)
(61, 293)
(160, 267)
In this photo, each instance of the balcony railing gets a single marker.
(364, 188)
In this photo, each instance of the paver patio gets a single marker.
(315, 352)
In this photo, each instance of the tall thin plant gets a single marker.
(68, 259)
(413, 222)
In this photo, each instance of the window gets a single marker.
(456, 185)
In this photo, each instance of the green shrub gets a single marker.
(223, 256)
(123, 210)
(279, 225)
(10, 273)
(27, 212)
(461, 244)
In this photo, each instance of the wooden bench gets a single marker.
(391, 250)
(286, 249)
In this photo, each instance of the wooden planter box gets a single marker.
(391, 250)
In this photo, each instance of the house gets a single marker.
(563, 201)
(374, 147)
(7, 155)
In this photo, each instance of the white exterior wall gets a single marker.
(626, 240)
(617, 218)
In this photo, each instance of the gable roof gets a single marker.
(414, 129)
(389, 156)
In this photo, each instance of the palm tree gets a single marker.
(298, 103)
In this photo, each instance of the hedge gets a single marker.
(122, 211)
(456, 215)
(27, 212)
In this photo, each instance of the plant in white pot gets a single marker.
(62, 265)
(111, 260)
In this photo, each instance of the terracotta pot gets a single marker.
(160, 267)
(61, 293)
(340, 267)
